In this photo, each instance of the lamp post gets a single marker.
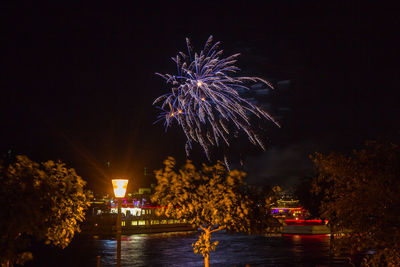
(119, 186)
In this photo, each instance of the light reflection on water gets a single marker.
(174, 249)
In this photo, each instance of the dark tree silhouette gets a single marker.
(39, 202)
(362, 201)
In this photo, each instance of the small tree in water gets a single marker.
(212, 199)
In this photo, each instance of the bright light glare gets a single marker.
(119, 186)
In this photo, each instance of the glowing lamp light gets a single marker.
(119, 186)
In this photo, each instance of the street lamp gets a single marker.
(119, 186)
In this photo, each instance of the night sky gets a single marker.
(77, 84)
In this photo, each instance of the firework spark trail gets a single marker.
(204, 98)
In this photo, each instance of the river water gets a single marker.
(174, 249)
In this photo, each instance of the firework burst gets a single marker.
(204, 98)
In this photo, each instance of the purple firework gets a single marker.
(204, 98)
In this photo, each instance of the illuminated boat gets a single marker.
(137, 218)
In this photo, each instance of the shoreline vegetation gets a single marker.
(356, 197)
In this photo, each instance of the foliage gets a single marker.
(204, 246)
(211, 199)
(40, 202)
(307, 199)
(361, 200)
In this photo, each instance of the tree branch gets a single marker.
(218, 229)
(202, 228)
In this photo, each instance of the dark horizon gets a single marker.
(78, 84)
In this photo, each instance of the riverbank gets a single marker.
(305, 229)
(148, 228)
(138, 229)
